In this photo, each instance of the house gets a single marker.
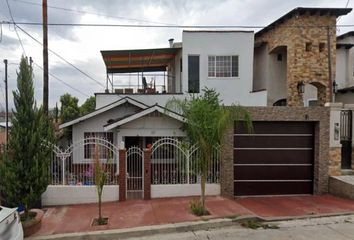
(291, 62)
(345, 68)
(291, 55)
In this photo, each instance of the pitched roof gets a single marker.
(301, 10)
(345, 35)
(104, 109)
(142, 113)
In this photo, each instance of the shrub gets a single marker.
(197, 208)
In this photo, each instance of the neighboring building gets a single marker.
(345, 68)
(291, 52)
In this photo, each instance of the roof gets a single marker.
(301, 10)
(138, 60)
(3, 124)
(344, 45)
(347, 89)
(345, 35)
(104, 109)
(218, 31)
(142, 113)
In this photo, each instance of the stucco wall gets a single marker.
(319, 115)
(233, 89)
(348, 63)
(183, 190)
(67, 195)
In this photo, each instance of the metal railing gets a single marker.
(173, 162)
(66, 170)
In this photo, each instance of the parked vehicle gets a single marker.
(10, 224)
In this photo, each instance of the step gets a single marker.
(342, 186)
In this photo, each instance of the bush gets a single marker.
(197, 208)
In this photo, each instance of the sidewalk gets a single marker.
(137, 213)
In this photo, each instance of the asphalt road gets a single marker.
(333, 228)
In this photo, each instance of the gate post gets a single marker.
(147, 173)
(122, 174)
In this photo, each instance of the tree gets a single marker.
(24, 171)
(69, 108)
(100, 175)
(88, 106)
(206, 123)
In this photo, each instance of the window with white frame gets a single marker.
(223, 66)
(89, 149)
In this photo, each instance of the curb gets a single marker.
(147, 230)
(310, 216)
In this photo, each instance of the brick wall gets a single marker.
(308, 66)
(318, 115)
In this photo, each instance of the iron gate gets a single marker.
(135, 170)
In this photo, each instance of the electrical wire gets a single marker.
(63, 82)
(164, 26)
(92, 13)
(62, 58)
(12, 18)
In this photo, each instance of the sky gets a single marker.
(81, 45)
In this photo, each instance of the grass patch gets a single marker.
(197, 209)
(254, 224)
(97, 222)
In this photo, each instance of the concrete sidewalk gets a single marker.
(132, 214)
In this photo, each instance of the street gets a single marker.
(339, 228)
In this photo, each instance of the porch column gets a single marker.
(122, 174)
(147, 173)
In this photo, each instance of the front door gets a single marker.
(135, 169)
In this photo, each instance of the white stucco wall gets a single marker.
(67, 195)
(345, 63)
(95, 124)
(148, 99)
(234, 89)
(183, 190)
(260, 68)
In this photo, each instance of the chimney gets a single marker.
(171, 42)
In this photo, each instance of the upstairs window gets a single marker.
(89, 149)
(223, 66)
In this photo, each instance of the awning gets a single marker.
(138, 60)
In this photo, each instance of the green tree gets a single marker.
(88, 106)
(24, 171)
(206, 123)
(69, 108)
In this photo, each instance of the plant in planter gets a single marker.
(100, 177)
(206, 122)
(24, 171)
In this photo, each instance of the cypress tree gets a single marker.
(25, 169)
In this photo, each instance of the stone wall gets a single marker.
(335, 161)
(308, 64)
(318, 115)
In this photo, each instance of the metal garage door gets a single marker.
(275, 159)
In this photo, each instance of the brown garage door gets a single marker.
(275, 159)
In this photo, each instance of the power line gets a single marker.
(165, 26)
(12, 18)
(92, 13)
(63, 82)
(62, 58)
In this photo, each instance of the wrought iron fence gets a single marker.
(66, 170)
(174, 162)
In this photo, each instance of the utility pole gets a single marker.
(6, 107)
(45, 56)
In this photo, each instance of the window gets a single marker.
(280, 57)
(89, 149)
(321, 46)
(308, 47)
(223, 66)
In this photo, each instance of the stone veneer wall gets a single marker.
(318, 115)
(335, 161)
(308, 66)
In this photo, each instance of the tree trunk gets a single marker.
(202, 184)
(99, 208)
